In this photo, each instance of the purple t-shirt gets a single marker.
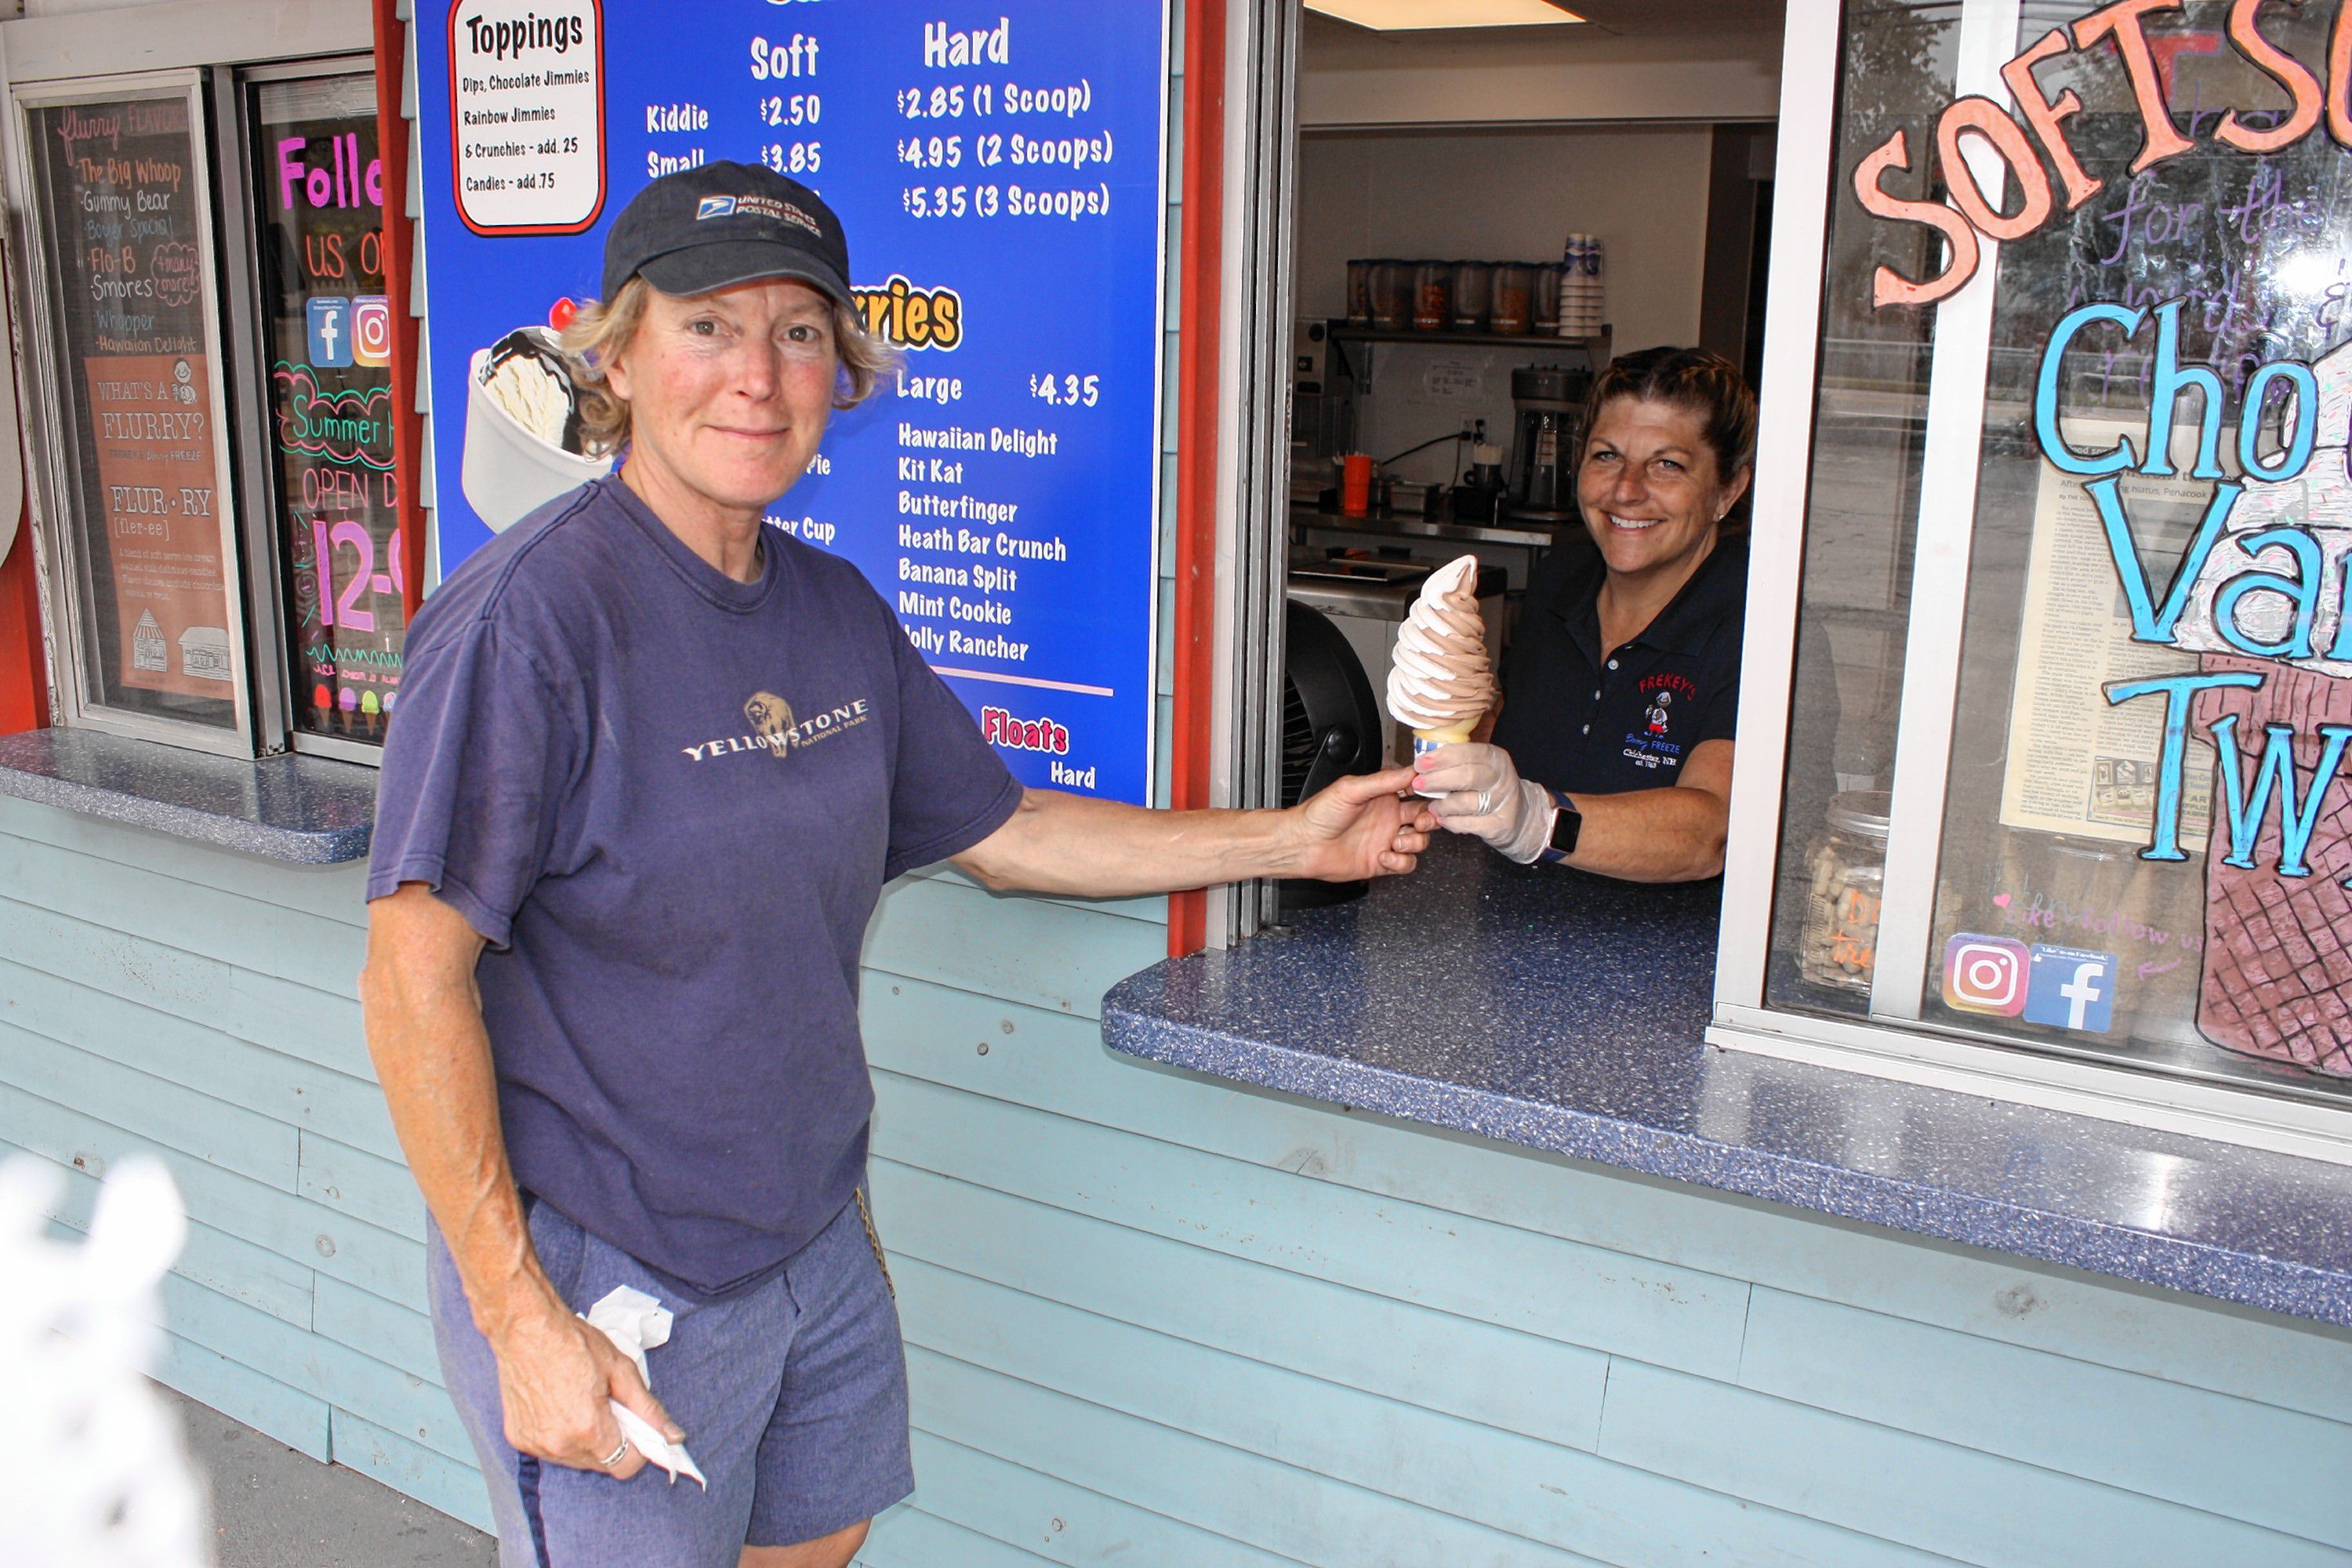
(669, 800)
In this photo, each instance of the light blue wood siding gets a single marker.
(1154, 1319)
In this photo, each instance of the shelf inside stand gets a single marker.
(1341, 332)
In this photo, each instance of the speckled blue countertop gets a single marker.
(308, 809)
(1566, 1013)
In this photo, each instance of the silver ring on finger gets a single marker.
(617, 1454)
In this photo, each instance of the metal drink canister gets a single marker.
(1546, 300)
(1391, 295)
(1514, 298)
(1473, 288)
(1432, 296)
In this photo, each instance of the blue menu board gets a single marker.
(1000, 173)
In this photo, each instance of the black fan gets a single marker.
(1330, 727)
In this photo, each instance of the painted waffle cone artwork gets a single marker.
(2275, 699)
(2278, 974)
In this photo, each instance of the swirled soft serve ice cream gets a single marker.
(1441, 682)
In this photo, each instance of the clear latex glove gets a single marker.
(637, 1322)
(1479, 792)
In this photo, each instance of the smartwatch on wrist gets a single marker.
(1567, 823)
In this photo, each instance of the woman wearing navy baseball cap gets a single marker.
(653, 765)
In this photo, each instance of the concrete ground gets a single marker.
(273, 1507)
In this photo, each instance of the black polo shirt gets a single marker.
(1577, 722)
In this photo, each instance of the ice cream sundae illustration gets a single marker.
(523, 442)
(1441, 682)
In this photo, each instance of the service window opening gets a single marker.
(1448, 288)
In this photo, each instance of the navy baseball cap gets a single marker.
(726, 223)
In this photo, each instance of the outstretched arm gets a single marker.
(1068, 844)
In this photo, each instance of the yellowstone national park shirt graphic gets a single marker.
(777, 732)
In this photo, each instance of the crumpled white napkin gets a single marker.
(637, 1322)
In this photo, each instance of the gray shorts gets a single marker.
(793, 1394)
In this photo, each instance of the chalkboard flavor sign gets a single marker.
(120, 185)
(327, 334)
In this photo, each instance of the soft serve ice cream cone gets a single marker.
(1441, 682)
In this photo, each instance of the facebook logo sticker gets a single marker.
(2072, 988)
(331, 332)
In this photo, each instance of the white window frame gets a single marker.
(55, 478)
(178, 44)
(1893, 1042)
(274, 677)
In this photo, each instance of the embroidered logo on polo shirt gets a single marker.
(1658, 713)
(778, 732)
(1649, 747)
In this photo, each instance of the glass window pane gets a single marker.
(2148, 824)
(2075, 909)
(1869, 440)
(327, 331)
(120, 195)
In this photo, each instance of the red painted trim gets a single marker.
(1201, 272)
(24, 676)
(399, 252)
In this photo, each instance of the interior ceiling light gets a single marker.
(1401, 16)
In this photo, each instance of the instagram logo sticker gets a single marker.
(371, 330)
(1985, 975)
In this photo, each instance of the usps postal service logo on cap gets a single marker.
(757, 206)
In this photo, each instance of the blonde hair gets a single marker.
(603, 329)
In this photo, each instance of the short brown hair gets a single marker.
(1705, 383)
(603, 329)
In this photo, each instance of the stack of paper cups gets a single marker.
(1581, 303)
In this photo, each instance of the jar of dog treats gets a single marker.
(1848, 878)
